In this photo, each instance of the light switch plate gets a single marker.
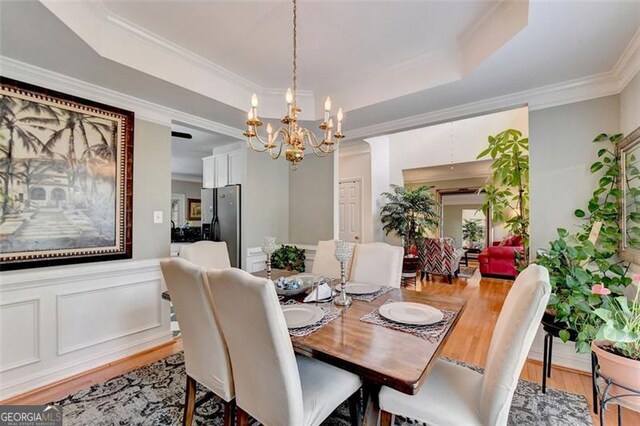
(157, 216)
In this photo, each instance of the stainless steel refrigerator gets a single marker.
(221, 218)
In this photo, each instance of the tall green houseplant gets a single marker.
(507, 189)
(409, 213)
(472, 231)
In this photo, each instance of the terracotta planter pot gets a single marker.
(621, 370)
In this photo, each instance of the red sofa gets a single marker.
(499, 260)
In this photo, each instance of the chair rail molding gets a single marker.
(256, 259)
(61, 321)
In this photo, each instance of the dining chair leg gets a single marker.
(242, 418)
(386, 418)
(449, 279)
(189, 401)
(354, 408)
(229, 412)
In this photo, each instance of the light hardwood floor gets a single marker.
(469, 343)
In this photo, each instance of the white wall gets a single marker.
(311, 199)
(630, 106)
(447, 143)
(355, 163)
(561, 153)
(59, 321)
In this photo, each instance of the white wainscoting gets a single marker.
(564, 354)
(256, 259)
(61, 321)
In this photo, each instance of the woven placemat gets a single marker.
(373, 296)
(432, 332)
(330, 313)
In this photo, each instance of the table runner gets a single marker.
(330, 313)
(432, 332)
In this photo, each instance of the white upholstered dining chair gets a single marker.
(325, 263)
(377, 263)
(205, 351)
(272, 385)
(456, 395)
(208, 254)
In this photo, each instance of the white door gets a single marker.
(350, 205)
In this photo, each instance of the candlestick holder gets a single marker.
(268, 247)
(342, 254)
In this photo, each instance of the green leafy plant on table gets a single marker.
(507, 189)
(576, 263)
(290, 258)
(473, 231)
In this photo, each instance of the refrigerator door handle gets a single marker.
(215, 229)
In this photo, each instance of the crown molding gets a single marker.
(144, 110)
(628, 65)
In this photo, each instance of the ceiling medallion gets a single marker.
(292, 136)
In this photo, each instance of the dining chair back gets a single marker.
(205, 350)
(325, 262)
(208, 254)
(512, 338)
(265, 374)
(377, 263)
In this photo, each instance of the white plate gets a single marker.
(360, 288)
(411, 313)
(298, 316)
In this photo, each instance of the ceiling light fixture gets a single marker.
(292, 136)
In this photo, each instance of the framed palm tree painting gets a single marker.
(66, 178)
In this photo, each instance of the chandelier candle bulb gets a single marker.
(340, 116)
(327, 108)
(254, 105)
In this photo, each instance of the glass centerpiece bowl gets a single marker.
(342, 254)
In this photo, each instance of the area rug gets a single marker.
(467, 271)
(154, 395)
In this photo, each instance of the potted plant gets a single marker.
(577, 261)
(409, 213)
(507, 188)
(473, 233)
(617, 344)
(289, 258)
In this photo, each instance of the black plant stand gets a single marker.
(606, 398)
(552, 329)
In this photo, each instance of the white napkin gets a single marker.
(324, 292)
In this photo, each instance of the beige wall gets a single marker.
(630, 106)
(311, 200)
(151, 190)
(561, 152)
(189, 190)
(265, 197)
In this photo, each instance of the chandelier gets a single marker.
(292, 137)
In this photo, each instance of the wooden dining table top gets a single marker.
(380, 355)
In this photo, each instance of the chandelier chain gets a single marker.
(295, 52)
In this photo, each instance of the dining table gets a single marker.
(381, 356)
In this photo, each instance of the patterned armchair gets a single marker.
(439, 256)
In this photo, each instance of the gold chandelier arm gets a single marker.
(320, 149)
(262, 148)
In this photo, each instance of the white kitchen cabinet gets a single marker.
(221, 170)
(208, 172)
(235, 167)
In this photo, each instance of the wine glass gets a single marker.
(268, 247)
(342, 254)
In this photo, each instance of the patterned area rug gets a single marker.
(467, 271)
(154, 395)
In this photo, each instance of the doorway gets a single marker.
(350, 210)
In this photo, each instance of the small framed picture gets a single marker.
(194, 209)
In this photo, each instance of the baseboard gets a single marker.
(574, 362)
(51, 377)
